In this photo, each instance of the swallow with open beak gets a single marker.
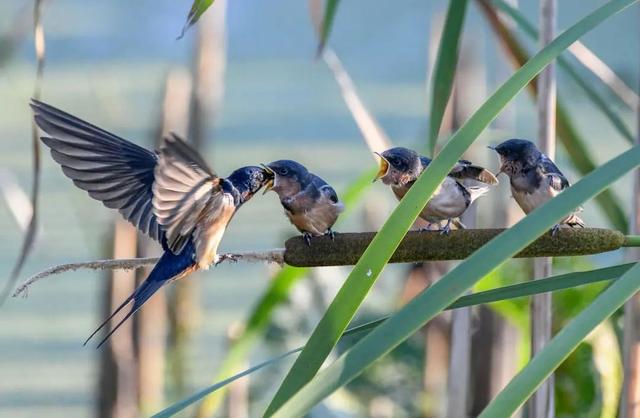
(309, 202)
(534, 178)
(172, 195)
(400, 168)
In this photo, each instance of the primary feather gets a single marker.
(111, 169)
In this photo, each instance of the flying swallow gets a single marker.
(309, 202)
(400, 167)
(172, 195)
(534, 178)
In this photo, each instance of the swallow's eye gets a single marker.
(394, 161)
(283, 171)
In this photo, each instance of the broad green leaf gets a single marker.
(327, 22)
(276, 294)
(566, 128)
(549, 284)
(375, 257)
(434, 299)
(197, 9)
(560, 346)
(444, 69)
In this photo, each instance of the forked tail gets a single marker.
(170, 266)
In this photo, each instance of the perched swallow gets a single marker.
(173, 196)
(400, 167)
(534, 178)
(309, 202)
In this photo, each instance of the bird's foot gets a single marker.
(307, 238)
(331, 234)
(227, 257)
(426, 228)
(447, 228)
(555, 229)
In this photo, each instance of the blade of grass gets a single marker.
(375, 137)
(444, 69)
(377, 140)
(550, 284)
(373, 134)
(525, 382)
(584, 56)
(598, 100)
(569, 135)
(30, 235)
(375, 257)
(428, 304)
(327, 23)
(600, 69)
(179, 406)
(260, 316)
(197, 9)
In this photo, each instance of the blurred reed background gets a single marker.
(245, 85)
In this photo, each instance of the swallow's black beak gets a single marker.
(270, 178)
(491, 147)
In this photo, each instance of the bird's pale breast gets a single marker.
(447, 201)
(529, 201)
(318, 218)
(210, 231)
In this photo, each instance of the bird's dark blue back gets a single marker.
(323, 187)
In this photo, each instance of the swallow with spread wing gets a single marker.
(400, 168)
(534, 178)
(309, 202)
(172, 196)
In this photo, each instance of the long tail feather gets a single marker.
(169, 267)
(140, 296)
(106, 321)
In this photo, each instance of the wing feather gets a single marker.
(465, 169)
(184, 191)
(111, 169)
(557, 180)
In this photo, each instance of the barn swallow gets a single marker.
(309, 202)
(534, 178)
(172, 195)
(400, 167)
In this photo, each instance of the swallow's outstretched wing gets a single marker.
(467, 170)
(188, 198)
(111, 169)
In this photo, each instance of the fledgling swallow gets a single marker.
(172, 195)
(534, 178)
(309, 202)
(400, 167)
